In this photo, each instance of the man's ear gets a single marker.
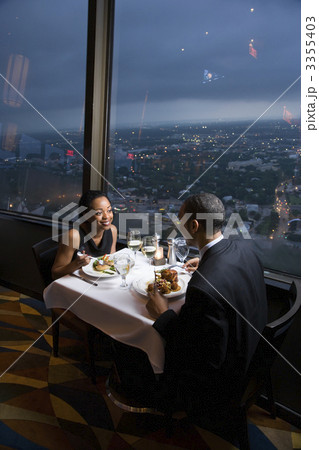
(194, 226)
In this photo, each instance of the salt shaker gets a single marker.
(171, 256)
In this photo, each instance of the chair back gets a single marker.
(276, 331)
(45, 253)
(268, 347)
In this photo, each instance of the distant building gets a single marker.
(121, 158)
(237, 165)
(252, 208)
(256, 162)
(54, 153)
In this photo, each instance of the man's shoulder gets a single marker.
(245, 248)
(223, 265)
(227, 247)
(204, 279)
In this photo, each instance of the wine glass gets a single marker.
(181, 249)
(149, 247)
(132, 263)
(134, 241)
(122, 264)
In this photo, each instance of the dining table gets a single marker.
(117, 312)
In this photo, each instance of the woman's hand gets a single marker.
(81, 261)
(191, 265)
(64, 263)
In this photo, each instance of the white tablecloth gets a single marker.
(120, 313)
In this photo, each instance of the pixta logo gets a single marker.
(72, 211)
(234, 226)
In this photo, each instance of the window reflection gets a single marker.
(18, 67)
(42, 85)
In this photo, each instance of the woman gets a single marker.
(103, 242)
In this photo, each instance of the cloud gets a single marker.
(150, 40)
(148, 55)
(196, 110)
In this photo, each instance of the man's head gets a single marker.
(207, 215)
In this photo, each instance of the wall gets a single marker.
(18, 269)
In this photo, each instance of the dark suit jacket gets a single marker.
(211, 342)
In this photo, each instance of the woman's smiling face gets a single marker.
(103, 213)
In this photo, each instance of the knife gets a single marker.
(83, 279)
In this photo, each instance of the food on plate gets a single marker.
(106, 267)
(169, 274)
(166, 282)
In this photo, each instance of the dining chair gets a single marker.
(257, 380)
(128, 403)
(44, 253)
(129, 384)
(282, 303)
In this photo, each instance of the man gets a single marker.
(209, 345)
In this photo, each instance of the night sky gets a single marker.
(161, 51)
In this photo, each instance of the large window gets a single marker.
(206, 97)
(42, 86)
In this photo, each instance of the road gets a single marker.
(283, 210)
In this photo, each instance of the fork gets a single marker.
(154, 285)
(182, 271)
(91, 257)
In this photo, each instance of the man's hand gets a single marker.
(157, 304)
(191, 265)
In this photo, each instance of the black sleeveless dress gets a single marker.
(91, 249)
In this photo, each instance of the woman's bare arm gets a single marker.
(114, 235)
(63, 264)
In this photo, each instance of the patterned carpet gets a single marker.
(50, 403)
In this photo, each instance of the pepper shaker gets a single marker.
(171, 256)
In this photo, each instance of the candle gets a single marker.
(159, 254)
(159, 259)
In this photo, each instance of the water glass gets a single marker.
(123, 264)
(181, 249)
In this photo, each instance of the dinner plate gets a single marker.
(140, 286)
(88, 269)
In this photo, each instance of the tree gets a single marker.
(243, 214)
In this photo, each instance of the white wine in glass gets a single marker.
(134, 241)
(149, 247)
